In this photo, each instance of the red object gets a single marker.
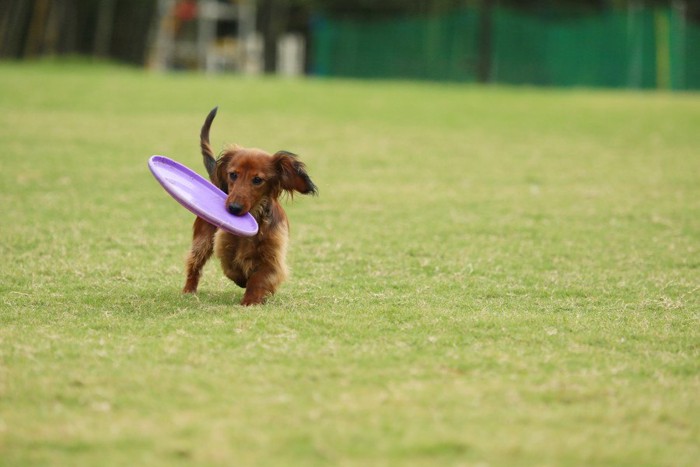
(186, 10)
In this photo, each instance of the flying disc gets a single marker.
(199, 196)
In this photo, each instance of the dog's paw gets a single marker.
(252, 298)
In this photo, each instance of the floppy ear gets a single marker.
(219, 177)
(292, 174)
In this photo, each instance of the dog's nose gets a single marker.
(235, 209)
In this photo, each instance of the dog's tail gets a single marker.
(207, 153)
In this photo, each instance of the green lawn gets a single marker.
(490, 276)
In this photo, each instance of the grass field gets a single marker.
(490, 276)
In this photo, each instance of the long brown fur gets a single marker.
(253, 180)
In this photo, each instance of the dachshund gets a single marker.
(253, 180)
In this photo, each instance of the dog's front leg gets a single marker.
(202, 248)
(261, 284)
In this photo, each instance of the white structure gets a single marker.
(291, 55)
(195, 43)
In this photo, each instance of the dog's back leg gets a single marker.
(202, 248)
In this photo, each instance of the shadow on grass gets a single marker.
(204, 297)
(217, 297)
(157, 301)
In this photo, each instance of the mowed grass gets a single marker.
(490, 276)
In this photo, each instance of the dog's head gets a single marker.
(251, 177)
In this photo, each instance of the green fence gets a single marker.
(638, 48)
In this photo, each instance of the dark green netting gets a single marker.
(637, 48)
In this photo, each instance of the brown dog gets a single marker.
(253, 181)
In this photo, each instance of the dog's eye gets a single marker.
(257, 181)
(233, 176)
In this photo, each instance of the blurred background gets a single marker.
(642, 44)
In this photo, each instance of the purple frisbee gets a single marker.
(199, 196)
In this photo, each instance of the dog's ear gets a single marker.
(292, 174)
(219, 177)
